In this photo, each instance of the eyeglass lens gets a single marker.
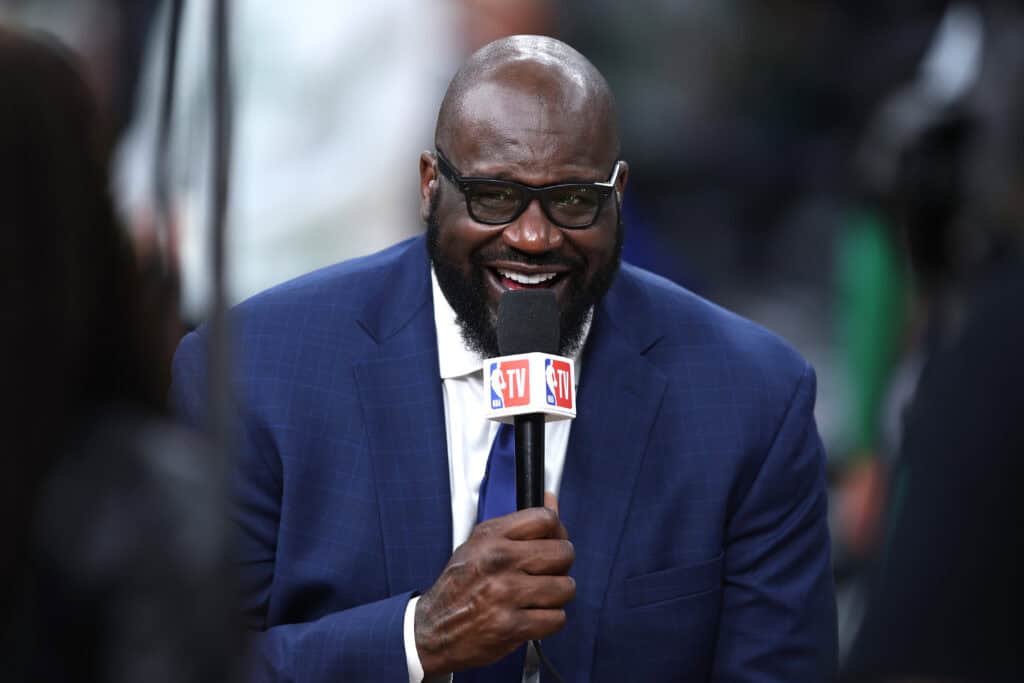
(568, 206)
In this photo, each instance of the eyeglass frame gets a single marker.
(529, 193)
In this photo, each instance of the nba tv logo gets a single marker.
(558, 378)
(510, 384)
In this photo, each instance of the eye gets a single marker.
(575, 199)
(494, 196)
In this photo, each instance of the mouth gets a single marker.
(514, 279)
(505, 276)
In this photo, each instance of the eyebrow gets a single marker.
(509, 177)
(503, 174)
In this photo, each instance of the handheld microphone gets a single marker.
(529, 383)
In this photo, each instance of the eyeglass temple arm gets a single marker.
(615, 177)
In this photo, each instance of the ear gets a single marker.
(428, 183)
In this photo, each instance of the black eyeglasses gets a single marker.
(496, 202)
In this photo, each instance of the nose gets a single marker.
(532, 232)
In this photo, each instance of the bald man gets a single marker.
(685, 535)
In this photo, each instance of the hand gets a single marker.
(505, 585)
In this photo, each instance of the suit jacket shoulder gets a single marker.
(363, 300)
(668, 323)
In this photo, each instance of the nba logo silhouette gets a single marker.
(497, 387)
(558, 378)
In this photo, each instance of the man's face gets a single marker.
(508, 134)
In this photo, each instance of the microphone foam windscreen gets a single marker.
(528, 321)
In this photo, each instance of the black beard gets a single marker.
(467, 295)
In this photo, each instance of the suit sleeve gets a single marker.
(778, 605)
(359, 644)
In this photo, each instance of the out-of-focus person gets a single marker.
(944, 596)
(889, 316)
(113, 565)
(328, 96)
(108, 36)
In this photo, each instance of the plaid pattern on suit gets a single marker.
(693, 487)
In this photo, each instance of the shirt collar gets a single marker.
(454, 358)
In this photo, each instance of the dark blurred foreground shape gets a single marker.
(944, 599)
(114, 564)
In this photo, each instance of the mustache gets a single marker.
(537, 260)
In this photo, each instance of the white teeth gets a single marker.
(524, 279)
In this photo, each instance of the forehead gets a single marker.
(534, 130)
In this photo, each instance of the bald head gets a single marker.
(514, 88)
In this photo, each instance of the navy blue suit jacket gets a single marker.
(693, 487)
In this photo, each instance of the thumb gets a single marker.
(550, 501)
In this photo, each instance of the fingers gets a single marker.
(546, 556)
(538, 624)
(537, 557)
(526, 524)
(541, 592)
(551, 503)
(531, 523)
(507, 584)
(561, 532)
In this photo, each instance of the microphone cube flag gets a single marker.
(529, 383)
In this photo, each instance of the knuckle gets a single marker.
(487, 590)
(483, 530)
(505, 624)
(549, 516)
(456, 573)
(570, 550)
(494, 559)
(494, 591)
(570, 588)
(546, 518)
(555, 623)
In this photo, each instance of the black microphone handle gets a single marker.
(529, 460)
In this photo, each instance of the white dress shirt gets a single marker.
(470, 435)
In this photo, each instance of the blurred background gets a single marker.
(847, 173)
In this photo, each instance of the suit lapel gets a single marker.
(619, 397)
(400, 392)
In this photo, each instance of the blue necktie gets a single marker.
(497, 498)
(498, 489)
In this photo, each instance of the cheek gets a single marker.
(596, 247)
(460, 239)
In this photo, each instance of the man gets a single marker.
(690, 540)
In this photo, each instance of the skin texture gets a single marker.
(505, 585)
(532, 110)
(535, 111)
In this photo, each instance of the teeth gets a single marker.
(524, 279)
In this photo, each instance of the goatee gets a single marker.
(467, 294)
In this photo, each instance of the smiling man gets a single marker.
(533, 165)
(685, 537)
